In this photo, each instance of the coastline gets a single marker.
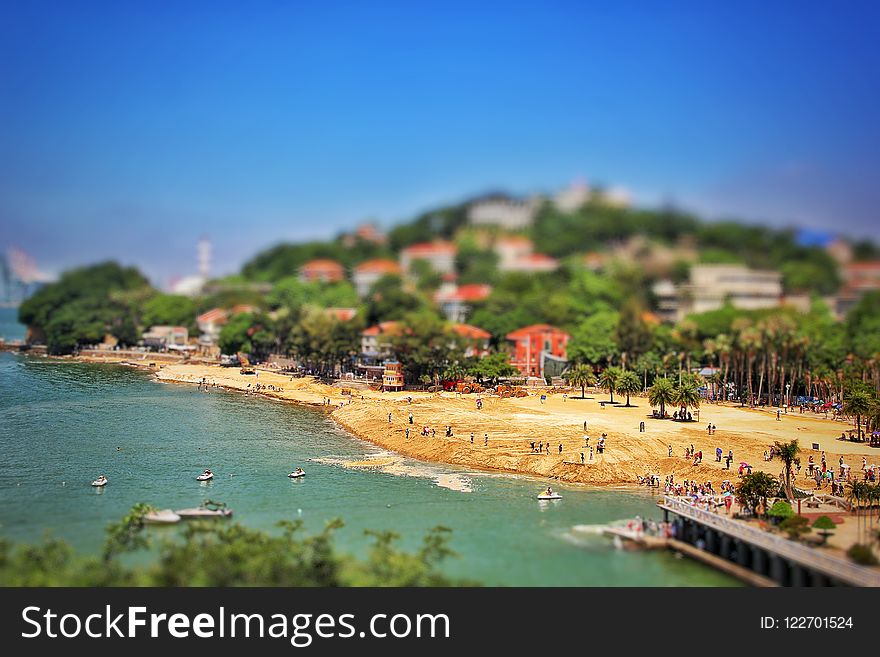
(512, 424)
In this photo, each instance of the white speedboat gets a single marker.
(163, 517)
(204, 512)
(549, 496)
(100, 481)
(296, 474)
(207, 475)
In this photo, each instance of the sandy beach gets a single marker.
(512, 424)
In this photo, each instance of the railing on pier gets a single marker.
(831, 566)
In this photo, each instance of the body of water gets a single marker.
(62, 422)
(10, 329)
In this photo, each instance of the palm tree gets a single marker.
(629, 384)
(858, 403)
(686, 396)
(581, 375)
(661, 393)
(788, 452)
(608, 380)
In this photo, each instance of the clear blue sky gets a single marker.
(129, 129)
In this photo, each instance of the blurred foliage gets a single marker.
(86, 304)
(211, 553)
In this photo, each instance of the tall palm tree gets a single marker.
(858, 403)
(661, 393)
(608, 380)
(686, 396)
(581, 375)
(788, 452)
(629, 384)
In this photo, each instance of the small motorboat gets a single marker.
(296, 474)
(209, 509)
(163, 517)
(100, 481)
(207, 475)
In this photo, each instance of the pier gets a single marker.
(769, 556)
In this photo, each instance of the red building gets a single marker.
(532, 345)
(323, 270)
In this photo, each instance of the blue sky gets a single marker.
(130, 129)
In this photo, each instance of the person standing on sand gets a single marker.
(585, 426)
(560, 448)
(407, 433)
(669, 451)
(582, 458)
(486, 440)
(472, 437)
(591, 453)
(389, 418)
(410, 418)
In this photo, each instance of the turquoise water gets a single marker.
(10, 329)
(61, 424)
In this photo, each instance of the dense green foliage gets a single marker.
(85, 305)
(225, 554)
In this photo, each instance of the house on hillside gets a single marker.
(455, 301)
(516, 253)
(367, 273)
(503, 212)
(439, 254)
(477, 339)
(376, 341)
(538, 350)
(321, 270)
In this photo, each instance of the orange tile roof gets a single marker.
(379, 266)
(381, 328)
(472, 332)
(322, 264)
(531, 330)
(427, 248)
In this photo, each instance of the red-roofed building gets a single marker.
(376, 340)
(321, 270)
(858, 278)
(477, 339)
(455, 300)
(367, 273)
(440, 255)
(515, 253)
(534, 345)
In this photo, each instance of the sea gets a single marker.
(63, 423)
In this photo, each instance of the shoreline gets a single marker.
(512, 424)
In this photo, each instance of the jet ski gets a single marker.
(100, 481)
(207, 475)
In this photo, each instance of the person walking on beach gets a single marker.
(582, 458)
(669, 451)
(407, 433)
(486, 440)
(410, 418)
(560, 448)
(472, 437)
(389, 418)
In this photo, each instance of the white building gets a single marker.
(440, 255)
(572, 197)
(366, 274)
(510, 214)
(711, 286)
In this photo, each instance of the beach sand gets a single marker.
(513, 423)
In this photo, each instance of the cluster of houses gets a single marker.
(514, 253)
